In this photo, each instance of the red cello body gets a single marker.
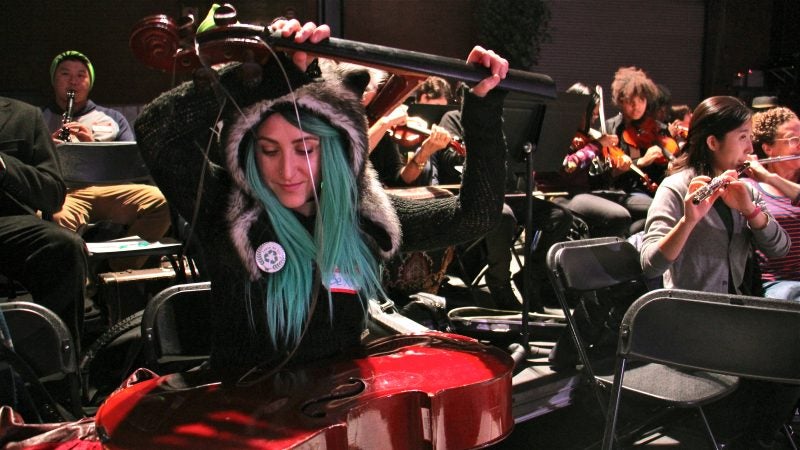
(433, 390)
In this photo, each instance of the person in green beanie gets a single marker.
(140, 208)
(73, 71)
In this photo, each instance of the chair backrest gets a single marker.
(592, 264)
(90, 163)
(176, 325)
(601, 277)
(41, 338)
(750, 337)
(44, 343)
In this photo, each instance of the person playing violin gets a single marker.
(394, 169)
(604, 217)
(420, 170)
(776, 133)
(680, 116)
(646, 142)
(292, 211)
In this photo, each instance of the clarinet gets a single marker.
(67, 117)
(718, 182)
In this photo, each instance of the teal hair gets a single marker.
(337, 246)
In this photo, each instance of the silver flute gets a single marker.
(718, 182)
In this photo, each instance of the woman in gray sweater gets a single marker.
(705, 245)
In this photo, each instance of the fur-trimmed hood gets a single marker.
(342, 108)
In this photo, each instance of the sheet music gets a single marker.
(126, 243)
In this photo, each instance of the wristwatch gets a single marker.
(420, 165)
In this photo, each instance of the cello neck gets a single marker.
(407, 62)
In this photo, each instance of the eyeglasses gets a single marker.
(794, 141)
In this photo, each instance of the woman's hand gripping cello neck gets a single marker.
(498, 68)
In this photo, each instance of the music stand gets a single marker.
(97, 163)
(432, 114)
(546, 129)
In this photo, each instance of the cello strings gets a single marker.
(255, 372)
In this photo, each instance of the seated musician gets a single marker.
(645, 141)
(703, 243)
(420, 169)
(583, 168)
(776, 134)
(680, 116)
(296, 219)
(141, 208)
(45, 258)
(386, 154)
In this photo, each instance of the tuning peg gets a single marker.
(225, 15)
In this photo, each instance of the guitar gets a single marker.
(431, 390)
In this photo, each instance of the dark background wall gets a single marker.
(734, 36)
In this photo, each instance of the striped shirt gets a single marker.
(788, 216)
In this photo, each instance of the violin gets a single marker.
(647, 134)
(409, 391)
(580, 140)
(412, 134)
(682, 131)
(615, 156)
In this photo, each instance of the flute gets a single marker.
(718, 182)
(777, 159)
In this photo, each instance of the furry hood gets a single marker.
(341, 107)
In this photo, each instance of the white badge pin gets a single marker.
(270, 257)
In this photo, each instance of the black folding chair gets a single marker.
(605, 276)
(707, 337)
(41, 343)
(176, 327)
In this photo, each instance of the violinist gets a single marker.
(384, 152)
(419, 169)
(646, 142)
(295, 218)
(387, 154)
(679, 118)
(776, 134)
(604, 217)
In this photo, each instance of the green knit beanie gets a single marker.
(76, 55)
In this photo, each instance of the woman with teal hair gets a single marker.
(290, 215)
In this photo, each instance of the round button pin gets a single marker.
(270, 257)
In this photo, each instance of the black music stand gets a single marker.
(97, 163)
(546, 129)
(432, 114)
